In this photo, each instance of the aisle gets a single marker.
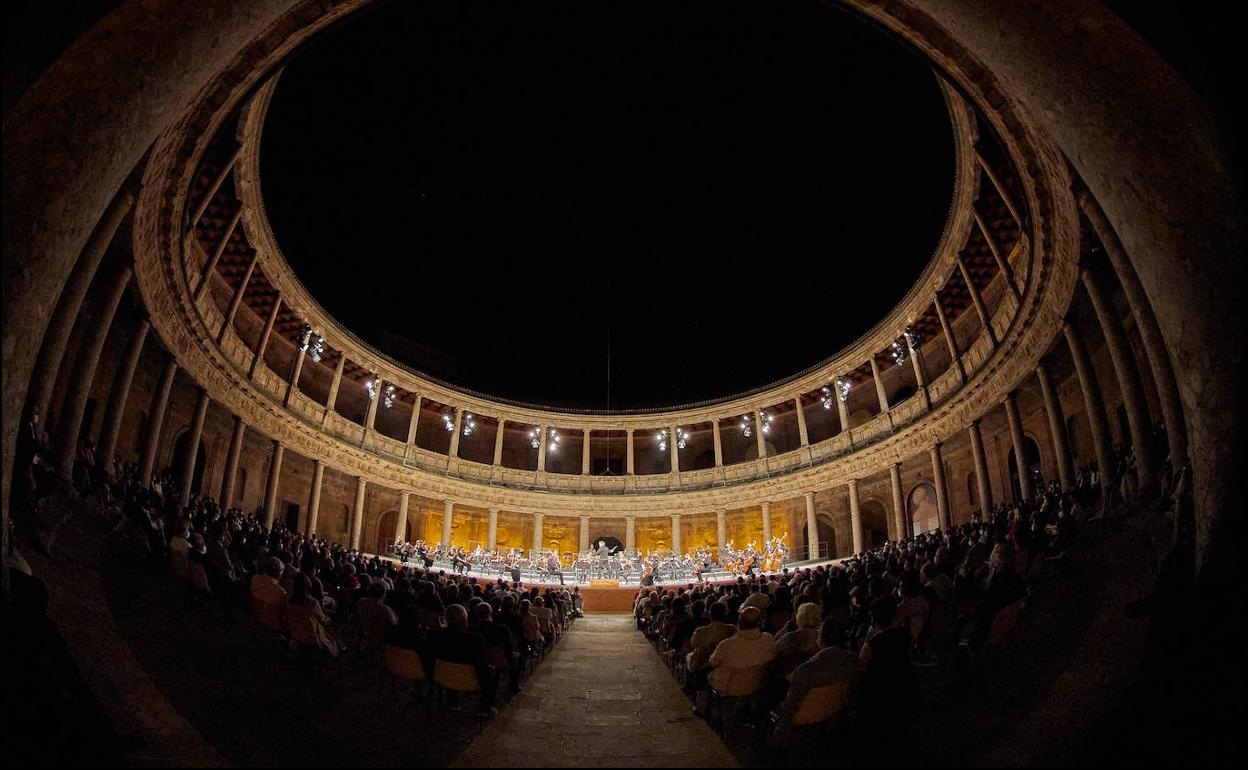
(602, 699)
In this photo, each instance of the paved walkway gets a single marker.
(602, 699)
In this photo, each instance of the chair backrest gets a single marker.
(822, 703)
(456, 676)
(198, 577)
(1004, 621)
(497, 657)
(735, 681)
(403, 663)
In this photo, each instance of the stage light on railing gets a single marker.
(682, 439)
(535, 438)
(825, 397)
(374, 386)
(553, 436)
(905, 345)
(843, 385)
(661, 437)
(469, 424)
(747, 427)
(388, 397)
(765, 419)
(448, 420)
(312, 343)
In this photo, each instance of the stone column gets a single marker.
(357, 512)
(538, 524)
(812, 527)
(79, 390)
(630, 468)
(855, 517)
(456, 432)
(541, 448)
(950, 340)
(492, 537)
(721, 528)
(498, 441)
(766, 521)
(920, 376)
(1057, 428)
(271, 486)
(314, 495)
(156, 421)
(982, 483)
(120, 396)
(187, 471)
(205, 273)
(630, 533)
(842, 411)
(802, 434)
(879, 387)
(997, 185)
(236, 299)
(400, 526)
(676, 546)
(296, 368)
(231, 462)
(899, 502)
(370, 416)
(1003, 264)
(448, 512)
(331, 400)
(584, 542)
(942, 490)
(69, 305)
(585, 452)
(1093, 406)
(412, 423)
(719, 445)
(978, 301)
(264, 338)
(1146, 323)
(673, 450)
(758, 434)
(1129, 383)
(1020, 446)
(217, 181)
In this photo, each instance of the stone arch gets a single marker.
(383, 529)
(874, 522)
(922, 509)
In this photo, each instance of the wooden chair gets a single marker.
(459, 677)
(739, 682)
(400, 663)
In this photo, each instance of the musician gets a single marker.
(603, 550)
(422, 551)
(553, 567)
(513, 566)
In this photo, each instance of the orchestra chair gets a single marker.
(743, 682)
(822, 706)
(400, 663)
(460, 677)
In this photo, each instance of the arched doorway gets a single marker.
(874, 523)
(181, 448)
(1032, 450)
(827, 540)
(613, 542)
(923, 510)
(384, 533)
(240, 489)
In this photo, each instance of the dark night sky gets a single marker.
(728, 192)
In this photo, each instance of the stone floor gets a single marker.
(601, 699)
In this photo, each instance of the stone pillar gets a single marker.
(1057, 428)
(538, 524)
(412, 423)
(1020, 446)
(492, 537)
(920, 376)
(1146, 323)
(264, 339)
(456, 432)
(1129, 383)
(498, 441)
(899, 502)
(187, 471)
(211, 192)
(1093, 406)
(296, 368)
(673, 450)
(448, 512)
(977, 300)
(629, 444)
(721, 528)
(370, 416)
(541, 448)
(676, 545)
(314, 496)
(69, 305)
(205, 273)
(842, 411)
(982, 483)
(120, 396)
(758, 434)
(585, 452)
(1003, 264)
(357, 512)
(79, 390)
(879, 386)
(942, 490)
(630, 533)
(236, 299)
(1001, 189)
(950, 340)
(766, 521)
(271, 486)
(802, 434)
(400, 526)
(584, 542)
(231, 462)
(719, 445)
(812, 527)
(855, 517)
(331, 400)
(156, 421)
